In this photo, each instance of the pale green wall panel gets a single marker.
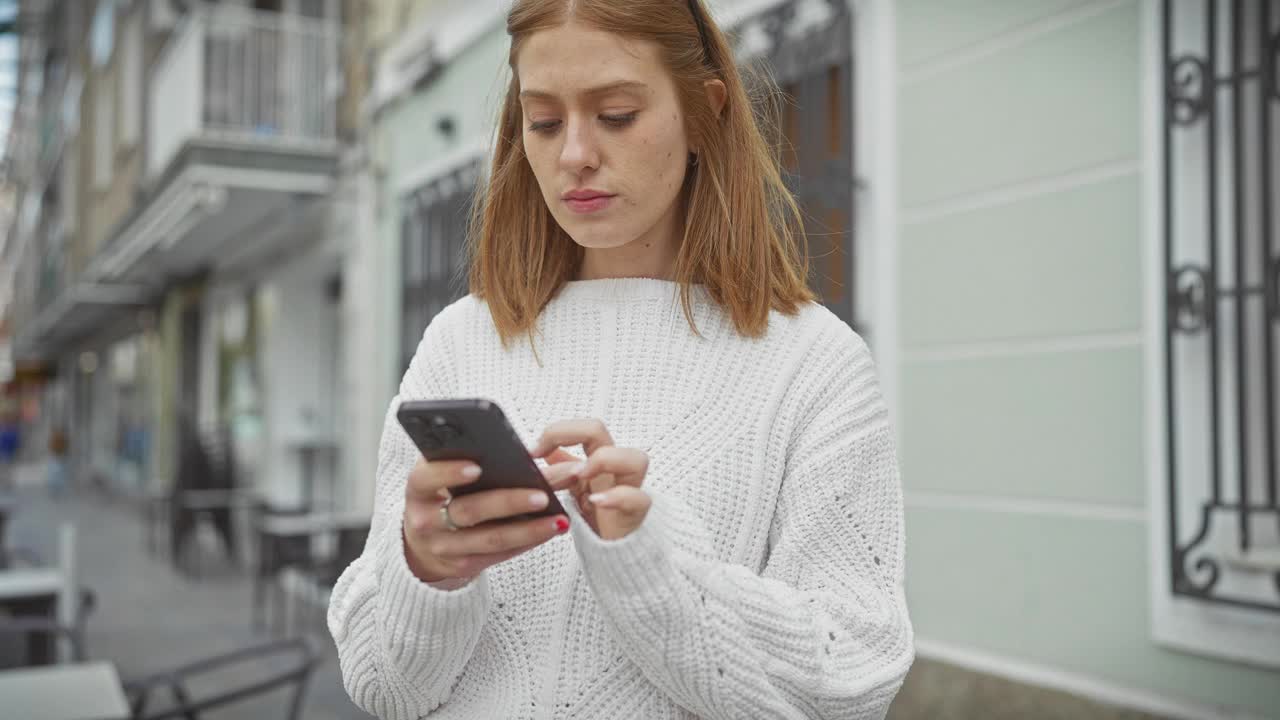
(1066, 263)
(469, 90)
(1067, 592)
(1065, 101)
(929, 29)
(1064, 426)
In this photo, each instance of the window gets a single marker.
(1222, 306)
(808, 49)
(433, 236)
(1221, 152)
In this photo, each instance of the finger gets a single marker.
(627, 465)
(590, 433)
(560, 456)
(422, 519)
(468, 510)
(427, 479)
(601, 483)
(620, 511)
(497, 538)
(562, 475)
(474, 564)
(623, 499)
(572, 465)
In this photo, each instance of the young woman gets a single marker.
(638, 308)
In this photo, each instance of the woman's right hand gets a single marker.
(435, 553)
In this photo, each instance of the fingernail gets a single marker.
(578, 468)
(596, 498)
(471, 472)
(562, 524)
(538, 500)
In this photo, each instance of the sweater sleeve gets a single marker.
(823, 631)
(402, 644)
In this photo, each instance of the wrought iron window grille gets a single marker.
(433, 229)
(807, 48)
(1221, 65)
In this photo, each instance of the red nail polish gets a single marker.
(562, 524)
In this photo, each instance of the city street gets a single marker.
(150, 618)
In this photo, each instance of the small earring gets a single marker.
(693, 159)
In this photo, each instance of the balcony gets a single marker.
(241, 112)
(244, 77)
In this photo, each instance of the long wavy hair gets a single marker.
(743, 236)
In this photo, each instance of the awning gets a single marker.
(78, 311)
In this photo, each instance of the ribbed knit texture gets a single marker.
(766, 581)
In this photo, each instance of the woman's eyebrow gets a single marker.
(597, 90)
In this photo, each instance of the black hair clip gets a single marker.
(702, 31)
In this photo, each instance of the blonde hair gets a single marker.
(742, 228)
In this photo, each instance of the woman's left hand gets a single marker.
(608, 488)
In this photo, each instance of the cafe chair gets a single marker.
(16, 557)
(315, 582)
(274, 554)
(301, 658)
(41, 631)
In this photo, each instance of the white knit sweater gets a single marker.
(766, 581)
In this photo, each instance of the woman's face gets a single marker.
(605, 137)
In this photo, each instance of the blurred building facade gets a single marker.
(985, 190)
(183, 218)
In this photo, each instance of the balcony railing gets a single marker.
(243, 76)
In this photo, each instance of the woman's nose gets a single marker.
(579, 152)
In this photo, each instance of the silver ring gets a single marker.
(444, 516)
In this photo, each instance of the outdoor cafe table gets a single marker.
(81, 691)
(286, 540)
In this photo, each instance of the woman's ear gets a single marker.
(717, 93)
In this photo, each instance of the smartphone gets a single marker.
(476, 429)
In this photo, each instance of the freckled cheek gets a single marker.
(540, 163)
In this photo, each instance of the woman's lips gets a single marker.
(589, 205)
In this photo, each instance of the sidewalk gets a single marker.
(149, 617)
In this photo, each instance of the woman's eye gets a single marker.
(619, 120)
(547, 127)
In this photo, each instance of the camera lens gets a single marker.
(447, 432)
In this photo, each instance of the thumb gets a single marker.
(620, 510)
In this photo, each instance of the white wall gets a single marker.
(364, 347)
(299, 345)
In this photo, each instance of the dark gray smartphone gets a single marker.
(476, 429)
